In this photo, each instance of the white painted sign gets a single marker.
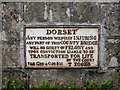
(61, 46)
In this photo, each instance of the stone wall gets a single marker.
(15, 15)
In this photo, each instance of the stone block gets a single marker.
(85, 12)
(111, 18)
(34, 12)
(10, 34)
(59, 12)
(112, 52)
(10, 22)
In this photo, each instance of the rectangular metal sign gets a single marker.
(61, 46)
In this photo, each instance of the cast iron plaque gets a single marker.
(61, 46)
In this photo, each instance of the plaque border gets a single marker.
(62, 26)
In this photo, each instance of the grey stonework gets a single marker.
(1, 45)
(15, 15)
(10, 51)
